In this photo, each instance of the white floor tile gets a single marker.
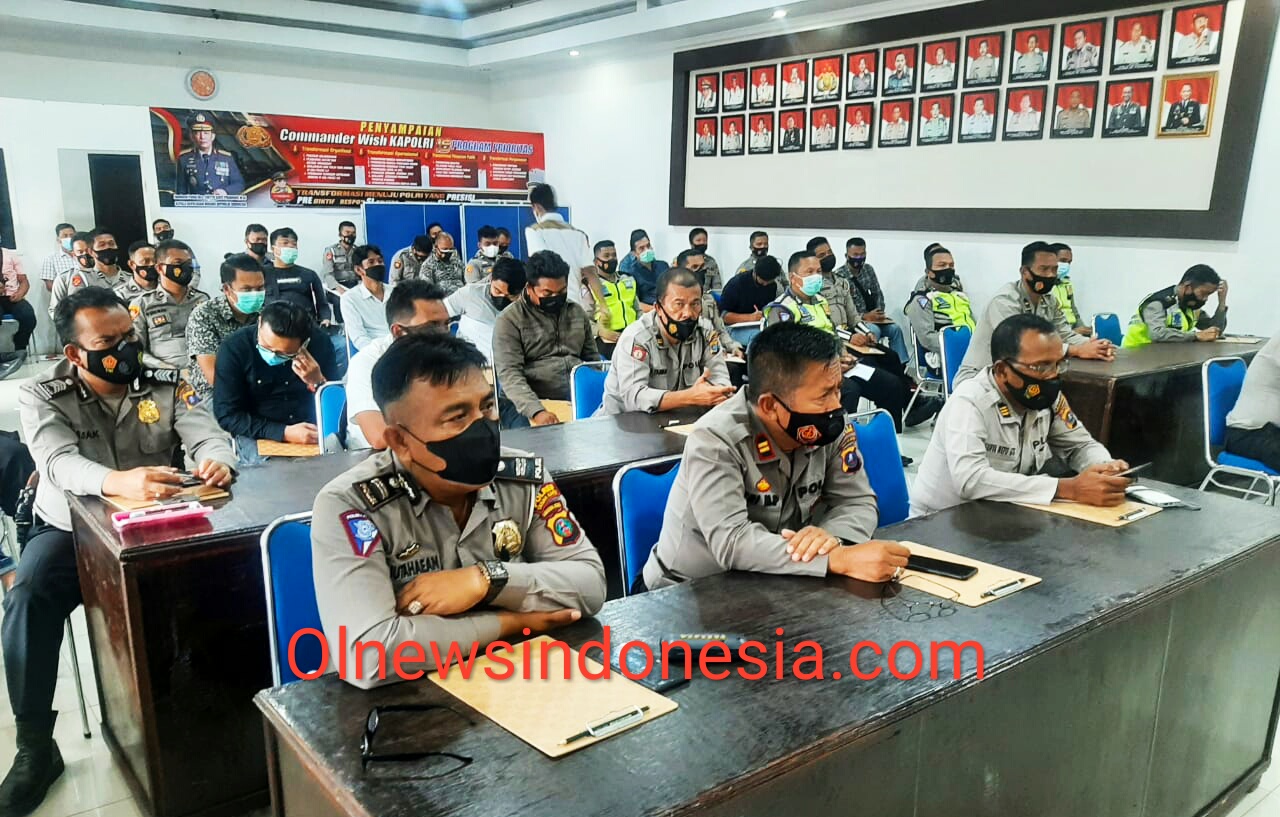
(88, 783)
(123, 808)
(1267, 790)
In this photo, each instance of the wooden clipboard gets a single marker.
(198, 493)
(562, 409)
(271, 448)
(544, 712)
(968, 592)
(1114, 517)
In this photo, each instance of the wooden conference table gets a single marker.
(1140, 677)
(1147, 405)
(178, 622)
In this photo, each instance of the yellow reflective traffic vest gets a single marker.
(620, 300)
(1064, 293)
(788, 308)
(1175, 317)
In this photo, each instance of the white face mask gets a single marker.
(491, 251)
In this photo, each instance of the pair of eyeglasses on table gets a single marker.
(455, 762)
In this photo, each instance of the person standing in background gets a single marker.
(552, 232)
(61, 259)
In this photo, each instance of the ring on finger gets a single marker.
(415, 607)
(897, 573)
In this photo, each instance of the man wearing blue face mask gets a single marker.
(266, 377)
(288, 281)
(363, 308)
(642, 264)
(243, 295)
(1065, 292)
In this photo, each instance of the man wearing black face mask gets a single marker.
(759, 243)
(255, 243)
(747, 294)
(443, 267)
(711, 270)
(99, 260)
(619, 303)
(362, 306)
(1031, 294)
(142, 263)
(998, 430)
(1174, 314)
(338, 266)
(868, 298)
(162, 230)
(485, 300)
(98, 424)
(772, 480)
(937, 304)
(671, 357)
(161, 315)
(391, 565)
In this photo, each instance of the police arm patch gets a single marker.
(550, 508)
(363, 535)
(639, 353)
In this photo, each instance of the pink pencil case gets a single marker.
(120, 520)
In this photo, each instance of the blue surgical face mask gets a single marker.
(647, 256)
(66, 244)
(811, 285)
(271, 358)
(1064, 269)
(250, 303)
(288, 255)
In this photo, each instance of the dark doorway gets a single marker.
(6, 212)
(118, 206)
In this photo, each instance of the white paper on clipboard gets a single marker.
(861, 371)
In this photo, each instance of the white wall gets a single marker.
(608, 128)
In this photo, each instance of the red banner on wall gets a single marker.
(235, 159)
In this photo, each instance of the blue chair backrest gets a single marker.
(715, 294)
(291, 596)
(955, 343)
(744, 333)
(1106, 325)
(641, 501)
(878, 447)
(331, 401)
(587, 389)
(1223, 378)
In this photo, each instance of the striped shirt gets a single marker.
(56, 264)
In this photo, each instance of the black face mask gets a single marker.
(680, 330)
(445, 255)
(759, 252)
(608, 267)
(164, 235)
(499, 302)
(470, 458)
(108, 257)
(828, 263)
(85, 261)
(856, 261)
(552, 304)
(1190, 302)
(814, 428)
(1035, 394)
(120, 364)
(945, 277)
(259, 248)
(348, 240)
(180, 274)
(148, 274)
(378, 272)
(1041, 286)
(702, 248)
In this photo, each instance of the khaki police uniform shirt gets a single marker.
(79, 278)
(1012, 299)
(840, 305)
(129, 290)
(373, 531)
(405, 265)
(736, 492)
(77, 438)
(985, 448)
(480, 267)
(161, 323)
(646, 366)
(338, 267)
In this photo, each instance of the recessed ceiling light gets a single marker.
(575, 53)
(778, 14)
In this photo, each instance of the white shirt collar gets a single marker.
(550, 217)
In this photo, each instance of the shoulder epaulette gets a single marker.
(522, 469)
(222, 152)
(58, 386)
(378, 491)
(171, 377)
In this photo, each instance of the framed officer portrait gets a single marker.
(1187, 105)
(1196, 38)
(860, 79)
(824, 128)
(826, 78)
(983, 53)
(795, 83)
(1074, 104)
(791, 131)
(733, 90)
(764, 86)
(859, 118)
(1135, 43)
(978, 116)
(1081, 47)
(733, 135)
(704, 141)
(899, 70)
(939, 72)
(937, 120)
(895, 123)
(707, 93)
(1032, 56)
(760, 140)
(1128, 110)
(1024, 113)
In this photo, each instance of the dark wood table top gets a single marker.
(732, 733)
(602, 443)
(1157, 357)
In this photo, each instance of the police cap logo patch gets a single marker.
(361, 533)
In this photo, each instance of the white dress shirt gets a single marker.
(364, 316)
(553, 233)
(360, 388)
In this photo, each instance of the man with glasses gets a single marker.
(446, 538)
(999, 430)
(407, 263)
(266, 376)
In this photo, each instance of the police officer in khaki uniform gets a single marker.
(711, 269)
(142, 265)
(408, 262)
(160, 316)
(772, 480)
(97, 423)
(445, 537)
(102, 269)
(488, 251)
(697, 262)
(759, 243)
(337, 269)
(671, 357)
(937, 303)
(1000, 428)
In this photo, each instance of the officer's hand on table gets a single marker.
(307, 370)
(544, 418)
(539, 622)
(151, 482)
(873, 561)
(302, 434)
(444, 593)
(1211, 333)
(1096, 349)
(808, 542)
(704, 393)
(214, 473)
(1095, 485)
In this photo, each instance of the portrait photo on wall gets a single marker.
(732, 135)
(1024, 113)
(707, 98)
(826, 79)
(733, 91)
(1074, 104)
(937, 122)
(791, 131)
(825, 126)
(1135, 43)
(940, 58)
(1032, 54)
(895, 123)
(860, 81)
(978, 112)
(795, 83)
(983, 53)
(900, 70)
(1128, 108)
(764, 86)
(1196, 38)
(857, 125)
(1187, 104)
(1081, 48)
(761, 139)
(704, 139)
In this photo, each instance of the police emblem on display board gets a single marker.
(361, 533)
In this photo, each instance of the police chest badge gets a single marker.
(507, 543)
(148, 412)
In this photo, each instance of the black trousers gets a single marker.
(26, 317)
(1261, 444)
(46, 590)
